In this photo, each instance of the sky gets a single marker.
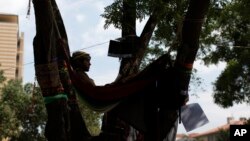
(84, 27)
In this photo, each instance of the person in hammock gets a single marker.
(80, 62)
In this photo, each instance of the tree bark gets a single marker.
(191, 30)
(186, 54)
(130, 66)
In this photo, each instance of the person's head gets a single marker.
(81, 60)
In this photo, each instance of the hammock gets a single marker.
(57, 78)
(52, 53)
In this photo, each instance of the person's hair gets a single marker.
(77, 58)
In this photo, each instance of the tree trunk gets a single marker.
(47, 72)
(186, 54)
(64, 123)
(130, 66)
(165, 125)
(191, 30)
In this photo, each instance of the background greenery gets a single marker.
(23, 114)
(225, 38)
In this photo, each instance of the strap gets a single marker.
(29, 7)
(96, 106)
(50, 99)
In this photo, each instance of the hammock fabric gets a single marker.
(156, 76)
(132, 100)
(49, 65)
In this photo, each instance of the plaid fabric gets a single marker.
(50, 68)
(49, 79)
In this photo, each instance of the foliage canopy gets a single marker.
(225, 38)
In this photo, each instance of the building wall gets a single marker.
(11, 47)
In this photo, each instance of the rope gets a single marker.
(29, 7)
